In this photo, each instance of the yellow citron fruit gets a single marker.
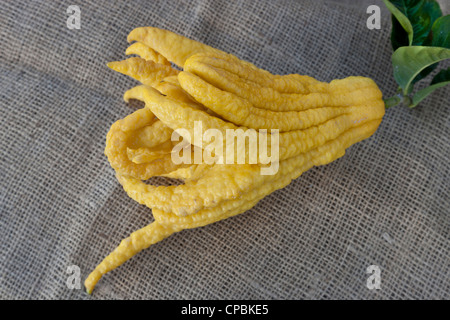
(315, 122)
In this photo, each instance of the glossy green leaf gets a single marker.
(408, 62)
(412, 21)
(399, 37)
(441, 32)
(402, 30)
(425, 72)
(424, 19)
(440, 80)
(438, 37)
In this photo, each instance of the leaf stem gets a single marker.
(393, 101)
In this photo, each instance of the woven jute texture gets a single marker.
(385, 203)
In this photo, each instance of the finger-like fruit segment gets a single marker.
(174, 47)
(147, 53)
(145, 71)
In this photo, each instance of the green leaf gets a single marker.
(439, 36)
(412, 19)
(441, 32)
(422, 74)
(401, 26)
(399, 37)
(439, 81)
(422, 22)
(408, 62)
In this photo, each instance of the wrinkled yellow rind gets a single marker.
(317, 122)
(147, 53)
(174, 47)
(145, 71)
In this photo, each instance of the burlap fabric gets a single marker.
(385, 203)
